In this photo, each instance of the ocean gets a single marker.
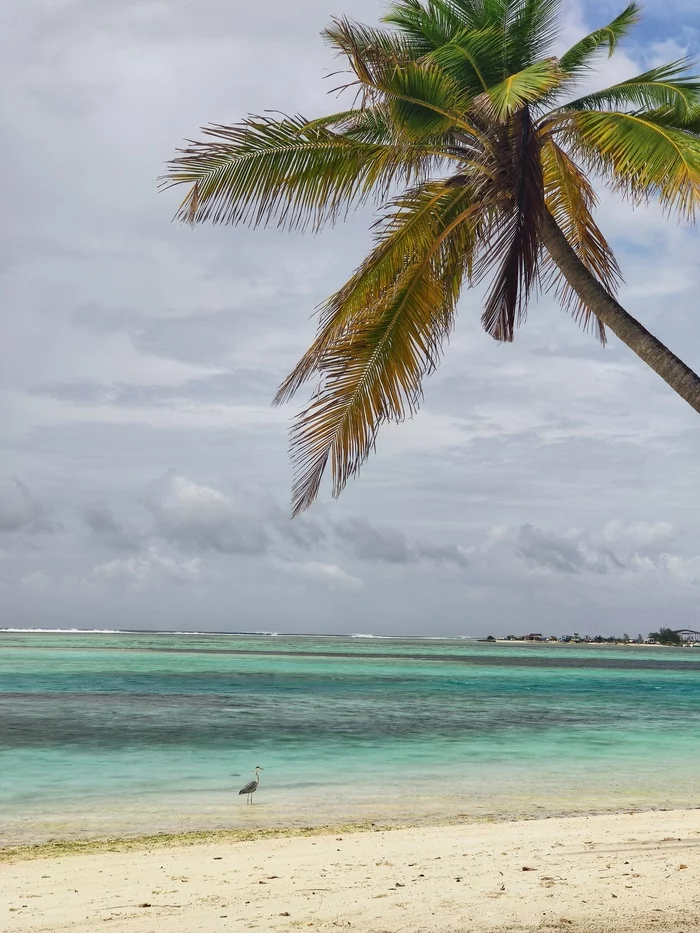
(106, 734)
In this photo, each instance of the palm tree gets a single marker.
(466, 131)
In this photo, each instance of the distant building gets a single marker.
(535, 636)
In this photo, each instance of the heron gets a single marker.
(250, 788)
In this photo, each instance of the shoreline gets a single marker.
(634, 873)
(57, 848)
(134, 842)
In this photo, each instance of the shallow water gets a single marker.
(131, 733)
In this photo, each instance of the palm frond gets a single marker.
(473, 57)
(580, 56)
(372, 370)
(688, 123)
(287, 170)
(667, 87)
(425, 100)
(532, 32)
(513, 244)
(364, 45)
(639, 157)
(570, 198)
(376, 125)
(517, 90)
(406, 230)
(436, 22)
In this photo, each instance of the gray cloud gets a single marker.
(106, 529)
(196, 516)
(376, 543)
(147, 569)
(191, 515)
(21, 511)
(239, 385)
(565, 555)
(368, 542)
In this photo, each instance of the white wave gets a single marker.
(228, 634)
(125, 631)
(63, 631)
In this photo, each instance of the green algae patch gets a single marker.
(61, 847)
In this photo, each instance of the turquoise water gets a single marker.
(130, 733)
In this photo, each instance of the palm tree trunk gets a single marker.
(680, 377)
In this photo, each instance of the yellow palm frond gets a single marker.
(372, 369)
(639, 157)
(406, 232)
(570, 198)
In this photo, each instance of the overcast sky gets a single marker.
(547, 485)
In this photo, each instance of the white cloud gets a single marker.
(199, 516)
(637, 534)
(327, 575)
(149, 568)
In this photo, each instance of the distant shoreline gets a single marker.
(473, 639)
(571, 644)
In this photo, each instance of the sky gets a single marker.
(548, 485)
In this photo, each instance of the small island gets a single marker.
(666, 637)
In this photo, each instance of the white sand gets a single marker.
(616, 874)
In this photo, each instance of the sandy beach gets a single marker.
(624, 872)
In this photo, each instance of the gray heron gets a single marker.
(250, 788)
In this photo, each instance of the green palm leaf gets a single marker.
(472, 57)
(422, 97)
(288, 170)
(641, 158)
(518, 90)
(466, 82)
(579, 58)
(436, 22)
(688, 123)
(532, 32)
(668, 87)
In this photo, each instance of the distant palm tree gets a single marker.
(465, 129)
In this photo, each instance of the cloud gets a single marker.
(563, 554)
(106, 529)
(194, 516)
(328, 575)
(542, 477)
(21, 511)
(638, 534)
(201, 517)
(370, 542)
(149, 568)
